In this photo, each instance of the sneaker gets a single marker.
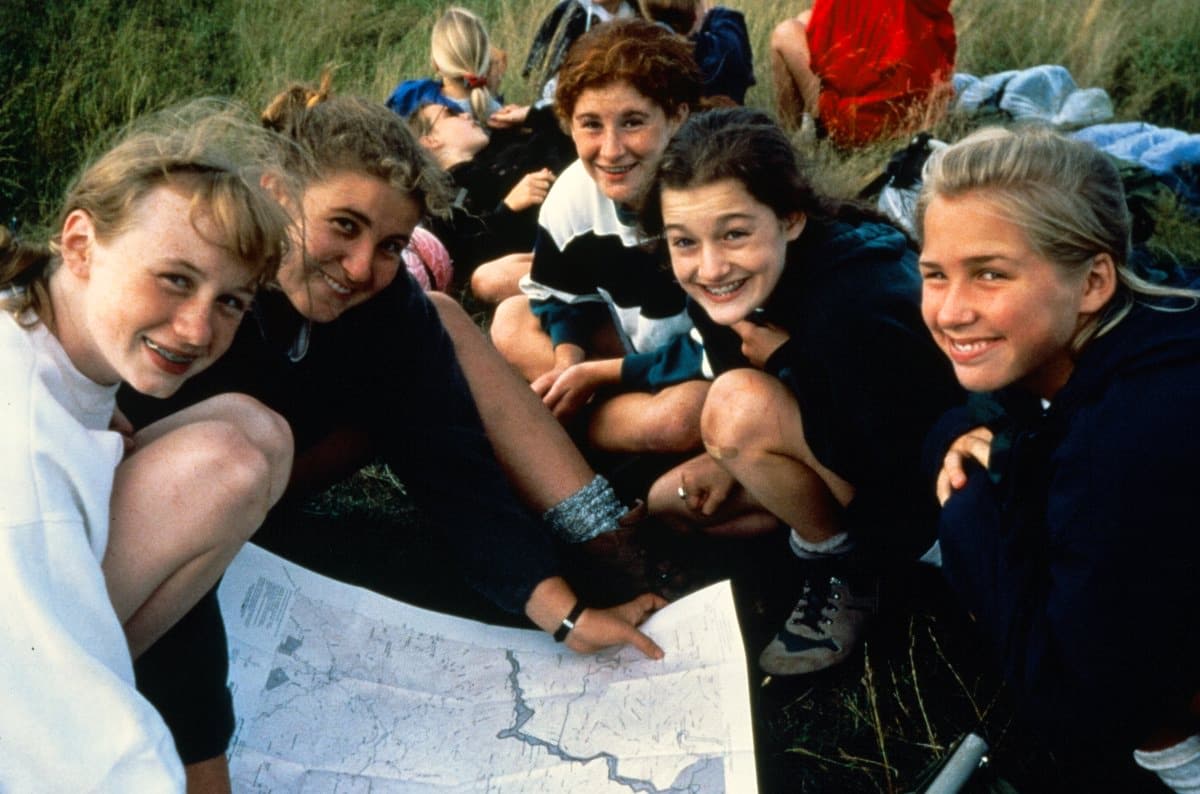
(825, 624)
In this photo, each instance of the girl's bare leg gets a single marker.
(796, 85)
(195, 487)
(498, 279)
(665, 422)
(752, 427)
(535, 451)
(520, 339)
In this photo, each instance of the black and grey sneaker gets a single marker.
(826, 622)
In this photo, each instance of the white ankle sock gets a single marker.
(830, 547)
(1178, 765)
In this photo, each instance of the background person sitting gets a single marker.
(501, 181)
(598, 300)
(467, 69)
(864, 69)
(565, 23)
(720, 41)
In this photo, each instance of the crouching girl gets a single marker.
(106, 540)
(1068, 523)
(825, 382)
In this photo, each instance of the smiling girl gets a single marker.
(1076, 551)
(353, 354)
(824, 385)
(597, 301)
(161, 246)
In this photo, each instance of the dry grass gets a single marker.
(74, 70)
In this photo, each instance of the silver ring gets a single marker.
(683, 494)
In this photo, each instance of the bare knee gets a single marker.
(493, 284)
(669, 431)
(240, 475)
(445, 305)
(451, 313)
(677, 416)
(510, 324)
(249, 430)
(737, 418)
(518, 336)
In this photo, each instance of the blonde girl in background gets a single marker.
(462, 57)
(467, 73)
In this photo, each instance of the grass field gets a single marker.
(73, 71)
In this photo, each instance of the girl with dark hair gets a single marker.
(825, 383)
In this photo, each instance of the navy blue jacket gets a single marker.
(1079, 550)
(722, 50)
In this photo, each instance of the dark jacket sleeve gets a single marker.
(869, 394)
(1081, 561)
(554, 36)
(565, 271)
(434, 440)
(474, 238)
(679, 360)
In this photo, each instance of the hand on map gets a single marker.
(597, 629)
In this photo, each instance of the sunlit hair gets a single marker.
(748, 146)
(461, 51)
(211, 151)
(654, 61)
(1065, 195)
(678, 15)
(334, 134)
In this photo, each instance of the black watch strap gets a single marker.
(569, 621)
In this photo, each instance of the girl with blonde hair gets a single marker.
(467, 71)
(1068, 521)
(462, 56)
(107, 536)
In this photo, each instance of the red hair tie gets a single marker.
(474, 81)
